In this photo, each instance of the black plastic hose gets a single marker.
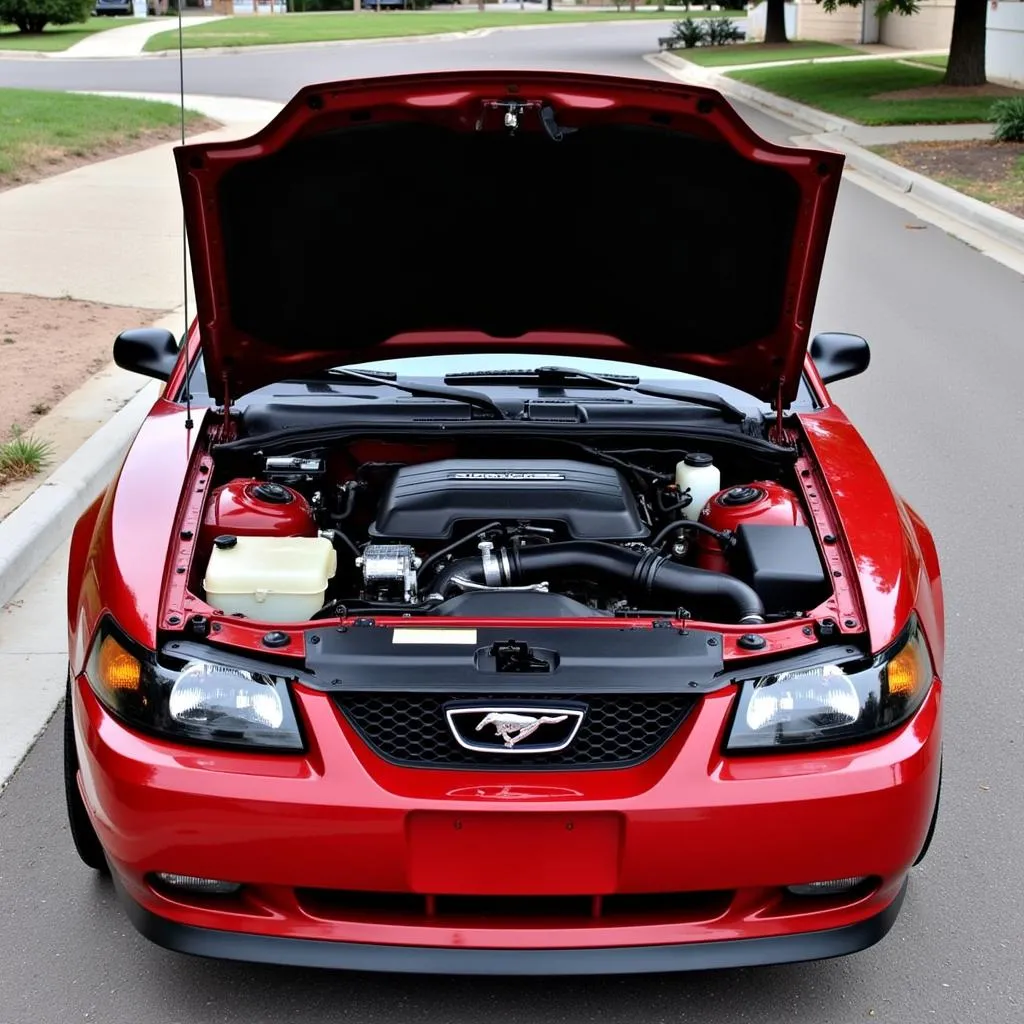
(640, 574)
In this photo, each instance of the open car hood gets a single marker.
(542, 212)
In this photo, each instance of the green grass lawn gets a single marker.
(310, 28)
(759, 53)
(41, 132)
(58, 37)
(934, 61)
(851, 90)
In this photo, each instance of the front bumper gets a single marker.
(296, 829)
(355, 956)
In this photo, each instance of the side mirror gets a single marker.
(146, 350)
(838, 356)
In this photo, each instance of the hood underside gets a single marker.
(609, 217)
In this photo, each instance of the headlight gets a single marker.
(834, 703)
(194, 702)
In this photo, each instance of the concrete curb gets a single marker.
(773, 104)
(766, 101)
(998, 223)
(44, 520)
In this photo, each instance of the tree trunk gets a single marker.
(775, 22)
(966, 65)
(30, 24)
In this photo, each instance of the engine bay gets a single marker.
(535, 527)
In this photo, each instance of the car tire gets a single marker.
(935, 820)
(83, 835)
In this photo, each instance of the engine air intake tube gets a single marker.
(638, 573)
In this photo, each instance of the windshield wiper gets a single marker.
(565, 377)
(472, 398)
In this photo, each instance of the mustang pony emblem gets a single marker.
(513, 728)
(520, 728)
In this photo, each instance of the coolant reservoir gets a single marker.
(701, 477)
(248, 507)
(273, 579)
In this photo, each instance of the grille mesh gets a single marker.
(617, 731)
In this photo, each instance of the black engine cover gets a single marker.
(430, 501)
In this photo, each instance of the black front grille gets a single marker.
(512, 911)
(617, 731)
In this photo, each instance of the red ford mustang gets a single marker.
(495, 587)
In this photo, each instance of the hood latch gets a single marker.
(515, 110)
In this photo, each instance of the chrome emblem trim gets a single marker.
(512, 727)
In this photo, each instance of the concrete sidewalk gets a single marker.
(111, 231)
(128, 41)
(876, 53)
(108, 232)
(884, 135)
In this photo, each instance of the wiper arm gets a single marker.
(563, 375)
(554, 375)
(472, 398)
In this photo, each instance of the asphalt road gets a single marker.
(277, 75)
(942, 407)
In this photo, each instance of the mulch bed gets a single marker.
(990, 171)
(947, 92)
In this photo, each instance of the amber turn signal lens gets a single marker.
(118, 670)
(905, 673)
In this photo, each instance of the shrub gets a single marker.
(1008, 116)
(722, 31)
(22, 457)
(689, 32)
(35, 15)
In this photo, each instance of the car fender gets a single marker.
(120, 548)
(896, 567)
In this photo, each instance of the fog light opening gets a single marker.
(831, 888)
(199, 886)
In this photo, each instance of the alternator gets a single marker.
(389, 572)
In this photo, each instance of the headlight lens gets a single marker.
(199, 702)
(834, 703)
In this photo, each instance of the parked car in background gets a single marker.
(113, 7)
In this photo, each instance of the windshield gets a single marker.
(438, 366)
(435, 368)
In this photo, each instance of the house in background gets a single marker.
(1004, 43)
(929, 29)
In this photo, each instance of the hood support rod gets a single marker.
(777, 433)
